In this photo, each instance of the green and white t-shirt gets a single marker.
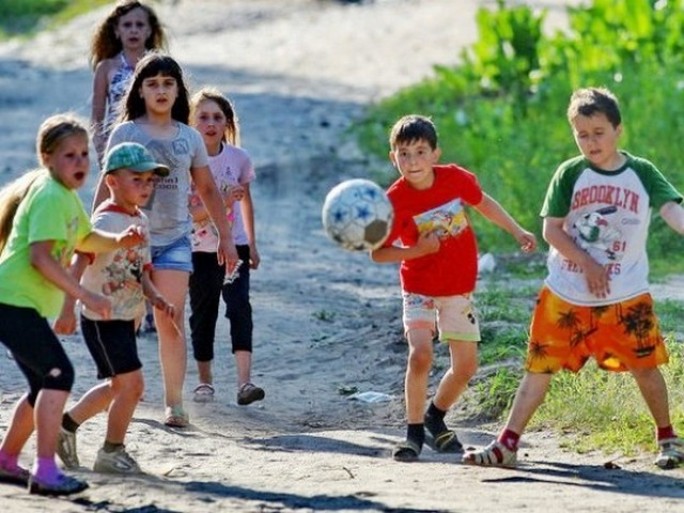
(607, 213)
(49, 212)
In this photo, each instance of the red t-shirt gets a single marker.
(453, 269)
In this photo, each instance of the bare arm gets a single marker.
(101, 193)
(98, 241)
(155, 297)
(492, 210)
(247, 206)
(65, 324)
(99, 106)
(598, 279)
(673, 214)
(41, 258)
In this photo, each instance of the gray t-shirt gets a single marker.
(167, 209)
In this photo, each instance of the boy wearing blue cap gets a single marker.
(123, 276)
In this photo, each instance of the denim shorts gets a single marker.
(176, 256)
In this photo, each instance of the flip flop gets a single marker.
(406, 451)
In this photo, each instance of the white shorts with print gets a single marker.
(455, 316)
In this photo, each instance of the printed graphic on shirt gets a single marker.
(123, 278)
(596, 231)
(446, 221)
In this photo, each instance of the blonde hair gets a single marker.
(211, 94)
(52, 132)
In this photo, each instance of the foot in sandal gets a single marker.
(406, 451)
(203, 393)
(495, 454)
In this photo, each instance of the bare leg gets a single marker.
(243, 364)
(48, 420)
(205, 373)
(417, 373)
(528, 398)
(127, 390)
(20, 427)
(654, 390)
(173, 285)
(456, 379)
(94, 401)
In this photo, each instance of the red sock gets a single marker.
(509, 439)
(663, 433)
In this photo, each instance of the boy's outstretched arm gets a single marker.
(673, 214)
(98, 241)
(492, 210)
(598, 279)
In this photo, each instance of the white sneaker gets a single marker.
(66, 449)
(116, 462)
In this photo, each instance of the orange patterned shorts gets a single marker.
(620, 336)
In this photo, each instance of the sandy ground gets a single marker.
(326, 320)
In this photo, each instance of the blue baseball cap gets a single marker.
(132, 156)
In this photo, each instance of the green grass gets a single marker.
(23, 18)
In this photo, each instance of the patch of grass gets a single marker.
(601, 410)
(26, 17)
(324, 315)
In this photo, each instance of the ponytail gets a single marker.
(10, 197)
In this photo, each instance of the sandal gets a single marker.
(406, 451)
(446, 442)
(671, 453)
(203, 393)
(176, 416)
(495, 454)
(248, 393)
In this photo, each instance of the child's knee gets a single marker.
(131, 385)
(60, 376)
(420, 359)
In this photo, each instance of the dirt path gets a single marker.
(326, 320)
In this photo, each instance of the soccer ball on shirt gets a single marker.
(357, 215)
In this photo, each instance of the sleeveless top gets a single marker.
(116, 91)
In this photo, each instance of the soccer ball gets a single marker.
(357, 215)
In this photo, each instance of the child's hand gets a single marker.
(254, 257)
(132, 236)
(428, 243)
(65, 324)
(233, 194)
(598, 279)
(527, 241)
(161, 304)
(98, 304)
(227, 254)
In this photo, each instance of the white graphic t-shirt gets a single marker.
(607, 214)
(118, 274)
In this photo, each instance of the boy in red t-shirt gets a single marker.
(438, 255)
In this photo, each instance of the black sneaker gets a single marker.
(17, 475)
(65, 485)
